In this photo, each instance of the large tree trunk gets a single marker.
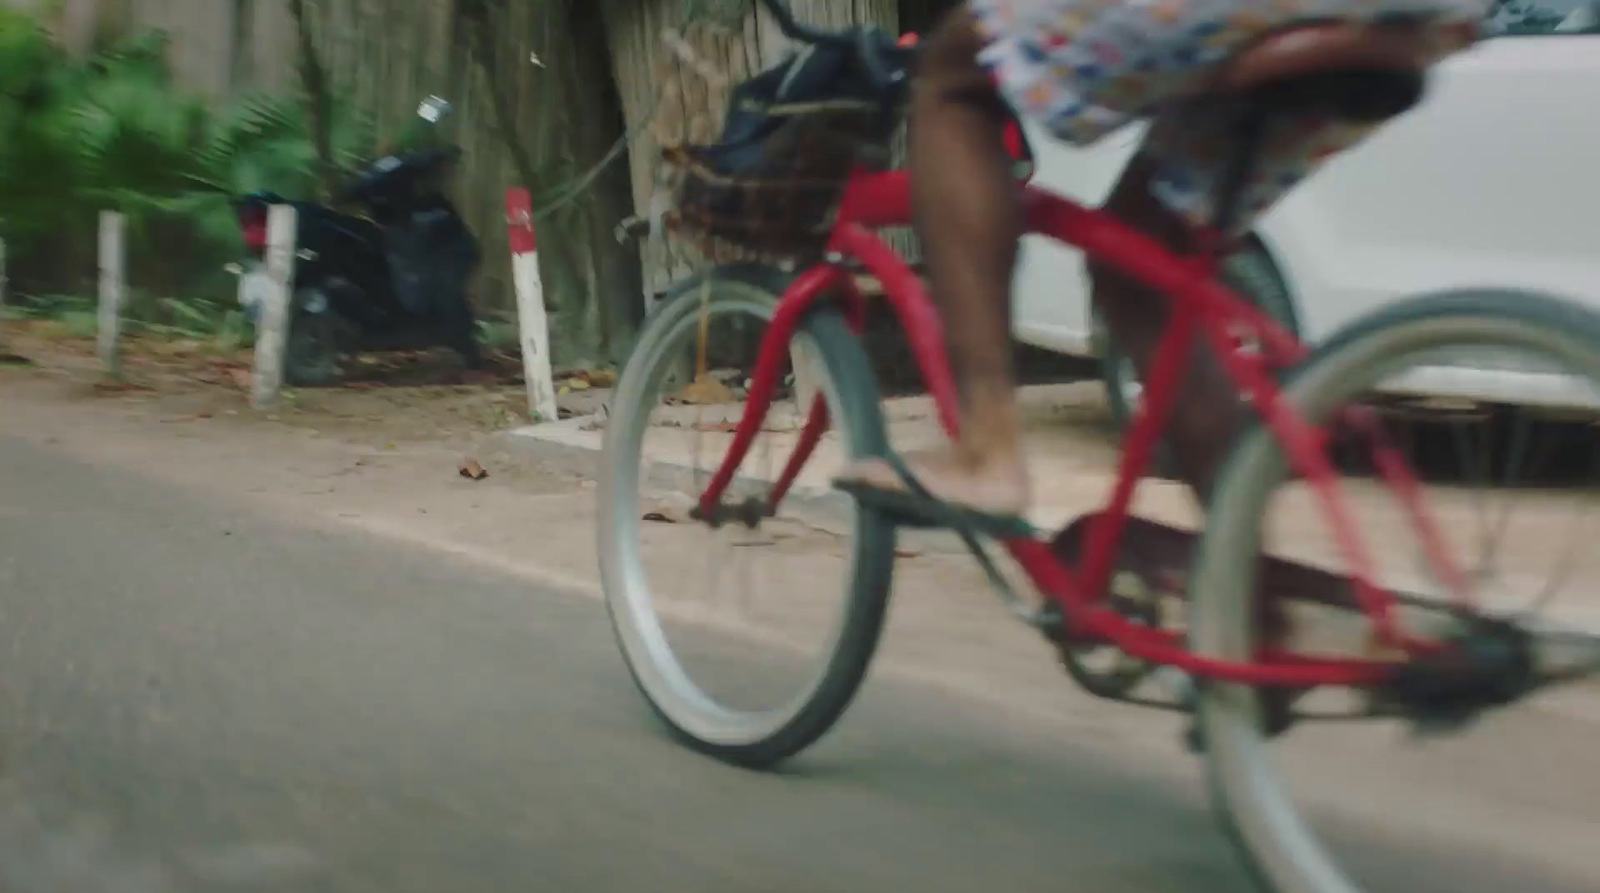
(591, 282)
(74, 24)
(241, 56)
(678, 103)
(318, 99)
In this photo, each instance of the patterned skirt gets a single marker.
(1084, 68)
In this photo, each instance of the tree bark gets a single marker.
(484, 38)
(241, 58)
(591, 283)
(74, 25)
(611, 270)
(314, 82)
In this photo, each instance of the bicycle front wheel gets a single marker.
(642, 563)
(1383, 362)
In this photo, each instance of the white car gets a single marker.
(1494, 181)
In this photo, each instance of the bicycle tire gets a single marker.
(854, 403)
(1285, 855)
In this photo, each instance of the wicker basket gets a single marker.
(781, 206)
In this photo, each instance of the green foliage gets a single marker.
(78, 136)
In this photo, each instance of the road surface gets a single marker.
(194, 697)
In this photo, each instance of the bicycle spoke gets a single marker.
(1568, 563)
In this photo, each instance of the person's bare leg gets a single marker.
(969, 219)
(1208, 413)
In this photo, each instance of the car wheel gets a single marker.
(1252, 272)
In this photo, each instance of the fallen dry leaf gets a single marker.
(471, 469)
(583, 379)
(671, 508)
(705, 392)
(112, 386)
(242, 378)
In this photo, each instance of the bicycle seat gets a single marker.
(1353, 71)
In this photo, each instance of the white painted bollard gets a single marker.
(532, 322)
(109, 333)
(272, 324)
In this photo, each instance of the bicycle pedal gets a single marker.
(1051, 622)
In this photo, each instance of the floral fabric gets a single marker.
(1084, 68)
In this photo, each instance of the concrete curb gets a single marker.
(558, 443)
(571, 449)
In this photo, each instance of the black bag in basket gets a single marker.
(790, 138)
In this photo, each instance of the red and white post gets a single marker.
(532, 321)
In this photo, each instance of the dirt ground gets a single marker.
(402, 398)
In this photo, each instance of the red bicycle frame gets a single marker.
(1202, 309)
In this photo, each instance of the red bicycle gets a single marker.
(1316, 407)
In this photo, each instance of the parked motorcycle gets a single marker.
(388, 273)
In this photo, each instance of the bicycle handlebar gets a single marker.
(885, 62)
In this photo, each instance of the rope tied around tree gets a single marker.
(707, 13)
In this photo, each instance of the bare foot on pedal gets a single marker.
(995, 486)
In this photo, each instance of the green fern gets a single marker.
(80, 136)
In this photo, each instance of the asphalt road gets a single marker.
(195, 697)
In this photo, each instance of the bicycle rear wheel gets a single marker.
(1246, 776)
(636, 598)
